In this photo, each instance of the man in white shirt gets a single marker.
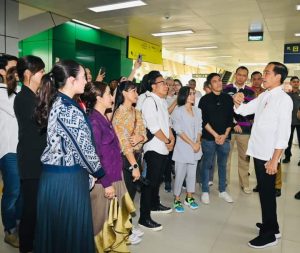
(269, 137)
(160, 142)
(192, 84)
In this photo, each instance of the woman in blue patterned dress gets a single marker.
(64, 221)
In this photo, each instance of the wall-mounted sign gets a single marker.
(292, 53)
(150, 52)
(199, 75)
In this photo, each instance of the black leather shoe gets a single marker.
(297, 195)
(150, 225)
(161, 209)
(286, 160)
(278, 192)
(255, 189)
(299, 163)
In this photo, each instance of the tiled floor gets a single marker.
(221, 227)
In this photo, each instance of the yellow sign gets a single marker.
(150, 52)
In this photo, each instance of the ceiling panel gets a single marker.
(224, 23)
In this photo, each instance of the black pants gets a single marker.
(29, 191)
(267, 196)
(156, 164)
(287, 152)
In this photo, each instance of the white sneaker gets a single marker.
(226, 197)
(136, 231)
(205, 198)
(134, 239)
(247, 190)
(210, 183)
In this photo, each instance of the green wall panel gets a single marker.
(91, 47)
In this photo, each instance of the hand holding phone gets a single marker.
(102, 71)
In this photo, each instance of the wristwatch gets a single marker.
(134, 166)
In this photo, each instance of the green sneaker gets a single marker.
(178, 206)
(191, 203)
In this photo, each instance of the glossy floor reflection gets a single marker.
(221, 227)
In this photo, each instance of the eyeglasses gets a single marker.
(162, 82)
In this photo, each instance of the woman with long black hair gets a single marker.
(111, 203)
(32, 141)
(64, 218)
(130, 129)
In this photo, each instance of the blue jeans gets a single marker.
(209, 149)
(10, 202)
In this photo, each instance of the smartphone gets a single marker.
(102, 70)
(140, 58)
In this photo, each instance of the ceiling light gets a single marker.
(117, 6)
(221, 56)
(83, 23)
(172, 33)
(297, 34)
(253, 64)
(298, 7)
(200, 48)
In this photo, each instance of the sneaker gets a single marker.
(255, 189)
(259, 226)
(297, 195)
(226, 197)
(247, 190)
(11, 239)
(178, 206)
(205, 198)
(161, 209)
(134, 239)
(278, 192)
(168, 187)
(261, 242)
(286, 160)
(191, 203)
(150, 224)
(210, 183)
(136, 231)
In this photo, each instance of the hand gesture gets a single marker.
(196, 147)
(109, 192)
(238, 98)
(135, 139)
(271, 167)
(136, 174)
(238, 129)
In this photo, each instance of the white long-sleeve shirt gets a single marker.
(272, 122)
(8, 123)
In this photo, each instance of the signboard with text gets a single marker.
(292, 53)
(150, 52)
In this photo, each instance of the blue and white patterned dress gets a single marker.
(64, 222)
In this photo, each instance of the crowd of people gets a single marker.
(75, 152)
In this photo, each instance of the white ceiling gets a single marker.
(224, 23)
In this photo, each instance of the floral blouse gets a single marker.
(128, 122)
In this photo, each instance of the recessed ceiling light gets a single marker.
(221, 56)
(200, 48)
(253, 64)
(297, 34)
(172, 33)
(83, 23)
(117, 6)
(298, 7)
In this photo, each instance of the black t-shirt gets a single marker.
(217, 110)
